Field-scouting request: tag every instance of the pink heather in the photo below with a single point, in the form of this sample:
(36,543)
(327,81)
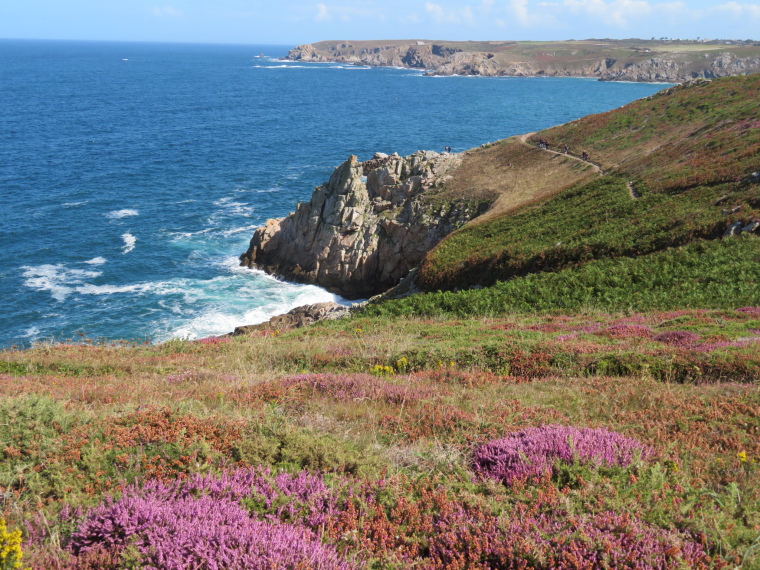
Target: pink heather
(534,451)
(200,523)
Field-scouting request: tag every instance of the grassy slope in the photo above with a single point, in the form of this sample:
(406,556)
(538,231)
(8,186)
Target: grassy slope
(391,408)
(686,153)
(511,175)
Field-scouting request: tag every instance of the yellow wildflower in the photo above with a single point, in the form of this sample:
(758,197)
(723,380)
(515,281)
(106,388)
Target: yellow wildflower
(10,547)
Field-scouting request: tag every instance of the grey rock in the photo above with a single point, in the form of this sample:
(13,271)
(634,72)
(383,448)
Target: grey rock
(296,318)
(721,200)
(734,229)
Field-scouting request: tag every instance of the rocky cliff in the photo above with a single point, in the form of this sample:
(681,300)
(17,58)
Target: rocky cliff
(366,228)
(606,62)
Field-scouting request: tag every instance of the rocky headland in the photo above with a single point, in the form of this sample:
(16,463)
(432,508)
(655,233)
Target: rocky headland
(367,227)
(607,60)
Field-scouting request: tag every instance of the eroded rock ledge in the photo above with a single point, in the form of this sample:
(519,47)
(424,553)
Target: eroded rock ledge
(366,228)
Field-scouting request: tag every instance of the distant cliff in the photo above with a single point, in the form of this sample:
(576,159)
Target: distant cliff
(607,60)
(366,228)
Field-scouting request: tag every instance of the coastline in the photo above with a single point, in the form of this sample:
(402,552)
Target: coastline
(637,61)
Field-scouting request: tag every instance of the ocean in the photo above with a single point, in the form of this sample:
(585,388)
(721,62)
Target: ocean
(132,175)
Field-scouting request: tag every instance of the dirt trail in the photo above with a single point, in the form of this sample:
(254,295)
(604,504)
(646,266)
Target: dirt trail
(632,191)
(505,173)
(597,168)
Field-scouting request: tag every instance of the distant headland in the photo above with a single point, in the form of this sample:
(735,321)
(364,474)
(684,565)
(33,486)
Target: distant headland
(656,60)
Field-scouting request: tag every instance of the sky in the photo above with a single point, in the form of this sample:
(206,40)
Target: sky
(292,22)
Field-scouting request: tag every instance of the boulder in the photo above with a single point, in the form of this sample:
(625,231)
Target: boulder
(734,229)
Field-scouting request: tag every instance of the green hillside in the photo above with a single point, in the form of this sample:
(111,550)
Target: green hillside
(677,170)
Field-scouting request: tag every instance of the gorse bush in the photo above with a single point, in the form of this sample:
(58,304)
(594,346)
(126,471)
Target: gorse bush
(10,548)
(532,453)
(345,387)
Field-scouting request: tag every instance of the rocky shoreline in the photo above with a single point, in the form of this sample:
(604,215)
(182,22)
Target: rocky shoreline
(640,65)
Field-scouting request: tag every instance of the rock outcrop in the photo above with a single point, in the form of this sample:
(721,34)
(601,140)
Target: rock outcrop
(302,316)
(646,66)
(366,228)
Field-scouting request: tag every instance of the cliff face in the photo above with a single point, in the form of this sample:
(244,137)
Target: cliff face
(437,59)
(413,56)
(366,228)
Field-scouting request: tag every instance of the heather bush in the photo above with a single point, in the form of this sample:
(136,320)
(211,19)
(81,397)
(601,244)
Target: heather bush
(558,541)
(201,532)
(201,523)
(750,311)
(532,452)
(684,339)
(626,330)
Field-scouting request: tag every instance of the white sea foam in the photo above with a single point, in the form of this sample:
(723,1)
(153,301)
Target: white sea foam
(73,204)
(31,332)
(118,214)
(235,231)
(240,296)
(221,320)
(57,279)
(112,289)
(232,265)
(129,242)
(176,236)
(230,207)
(96,261)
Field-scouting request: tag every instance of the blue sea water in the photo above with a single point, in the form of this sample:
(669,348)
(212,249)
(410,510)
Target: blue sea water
(133,175)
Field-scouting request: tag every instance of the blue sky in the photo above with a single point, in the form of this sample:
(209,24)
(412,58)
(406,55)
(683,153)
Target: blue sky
(293,22)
